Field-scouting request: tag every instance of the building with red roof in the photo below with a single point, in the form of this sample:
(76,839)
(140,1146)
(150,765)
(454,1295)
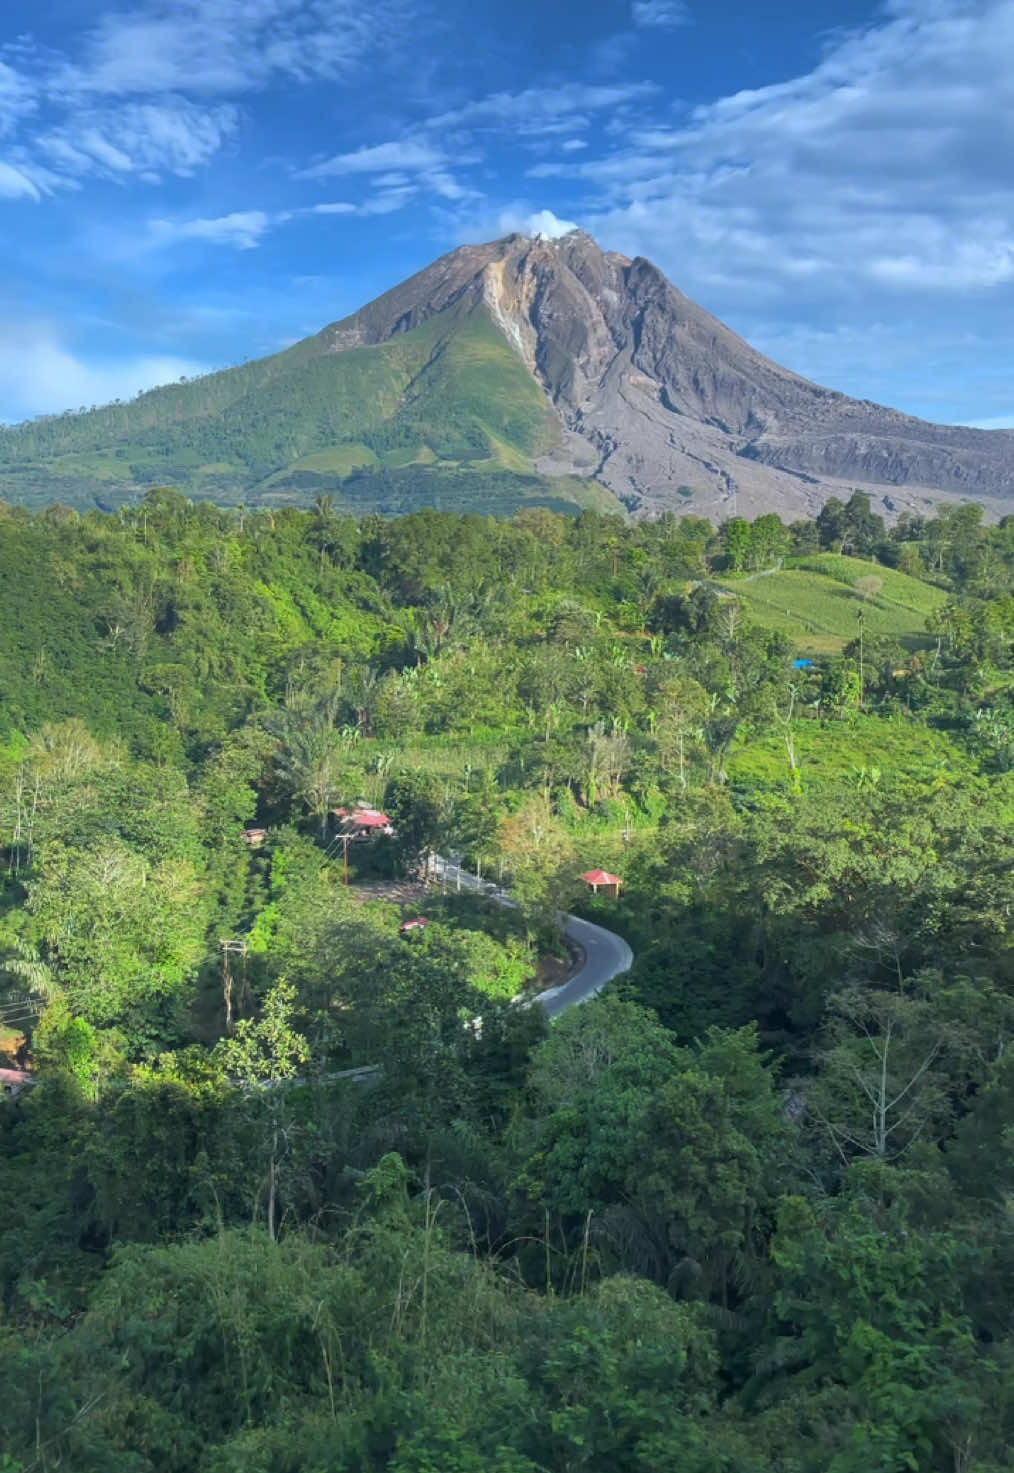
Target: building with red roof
(600,879)
(13,1081)
(363,822)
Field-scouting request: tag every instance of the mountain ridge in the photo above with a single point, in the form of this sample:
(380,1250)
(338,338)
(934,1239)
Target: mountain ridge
(525,369)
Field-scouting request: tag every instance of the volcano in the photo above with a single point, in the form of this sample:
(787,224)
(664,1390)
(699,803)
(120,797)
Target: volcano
(523,370)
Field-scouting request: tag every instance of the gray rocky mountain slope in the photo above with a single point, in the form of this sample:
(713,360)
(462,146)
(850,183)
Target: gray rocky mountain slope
(654,394)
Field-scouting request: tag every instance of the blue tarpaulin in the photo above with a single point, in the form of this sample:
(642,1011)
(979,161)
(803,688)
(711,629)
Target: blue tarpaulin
(802,664)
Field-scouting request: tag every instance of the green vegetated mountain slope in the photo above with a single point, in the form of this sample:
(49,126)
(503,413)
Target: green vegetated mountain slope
(444,415)
(817,601)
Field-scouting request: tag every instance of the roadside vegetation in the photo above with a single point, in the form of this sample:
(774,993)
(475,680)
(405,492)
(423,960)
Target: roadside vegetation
(747,1212)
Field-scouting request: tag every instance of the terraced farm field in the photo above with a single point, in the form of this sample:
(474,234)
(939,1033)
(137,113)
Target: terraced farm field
(815,601)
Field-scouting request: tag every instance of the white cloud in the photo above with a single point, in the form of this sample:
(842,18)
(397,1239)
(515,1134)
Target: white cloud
(172,136)
(225,47)
(408,153)
(429,161)
(386,201)
(887,164)
(538,222)
(243,229)
(17,98)
(15,183)
(539,111)
(400,170)
(148,90)
(40,374)
(659,14)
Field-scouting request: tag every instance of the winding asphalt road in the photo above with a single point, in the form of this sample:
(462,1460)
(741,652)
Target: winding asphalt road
(606,954)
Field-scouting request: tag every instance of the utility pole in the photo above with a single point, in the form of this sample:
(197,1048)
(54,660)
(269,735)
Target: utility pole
(231,948)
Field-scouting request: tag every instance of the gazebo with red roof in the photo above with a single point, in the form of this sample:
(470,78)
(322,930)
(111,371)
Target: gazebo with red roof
(600,879)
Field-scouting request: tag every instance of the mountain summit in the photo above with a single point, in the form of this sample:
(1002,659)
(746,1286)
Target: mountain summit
(520,369)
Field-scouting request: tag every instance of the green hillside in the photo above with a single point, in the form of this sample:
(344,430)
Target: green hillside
(272,1203)
(815,601)
(445,415)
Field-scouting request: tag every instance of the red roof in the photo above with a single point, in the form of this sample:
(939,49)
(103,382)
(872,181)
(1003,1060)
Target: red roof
(363,818)
(12,1078)
(418,924)
(601,877)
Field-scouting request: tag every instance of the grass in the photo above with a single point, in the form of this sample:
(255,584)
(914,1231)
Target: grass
(830,752)
(815,601)
(101,466)
(407,455)
(507,455)
(339,460)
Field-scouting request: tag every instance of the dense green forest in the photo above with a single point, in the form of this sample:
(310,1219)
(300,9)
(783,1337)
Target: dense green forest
(749,1211)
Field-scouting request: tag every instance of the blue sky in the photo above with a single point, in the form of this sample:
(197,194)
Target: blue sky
(187,183)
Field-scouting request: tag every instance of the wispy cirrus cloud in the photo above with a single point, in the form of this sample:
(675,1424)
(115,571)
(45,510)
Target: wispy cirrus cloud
(400,171)
(660,14)
(17,98)
(409,153)
(433,160)
(216,47)
(541,110)
(243,229)
(172,136)
(152,90)
(888,162)
(18,183)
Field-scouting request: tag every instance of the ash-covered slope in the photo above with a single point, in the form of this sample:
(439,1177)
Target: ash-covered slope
(655,394)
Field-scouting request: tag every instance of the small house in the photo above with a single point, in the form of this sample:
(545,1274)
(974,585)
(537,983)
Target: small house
(600,879)
(362,822)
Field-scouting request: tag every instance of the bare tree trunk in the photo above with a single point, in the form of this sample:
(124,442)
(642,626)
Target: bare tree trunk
(272,1187)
